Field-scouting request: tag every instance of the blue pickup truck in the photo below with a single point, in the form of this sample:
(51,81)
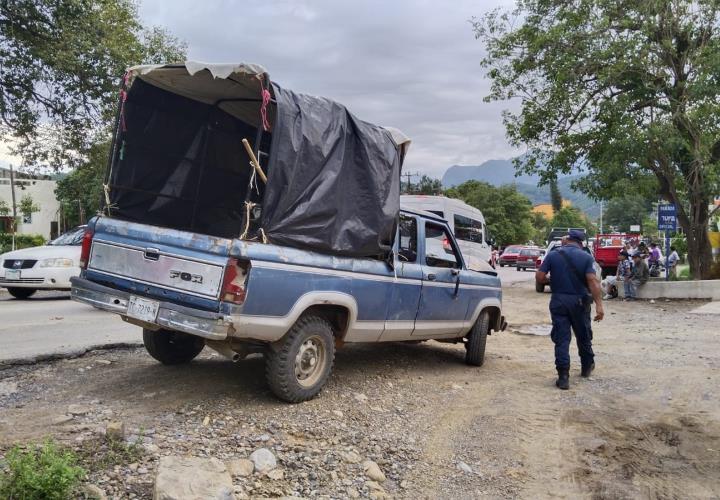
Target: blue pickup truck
(294,306)
(291,246)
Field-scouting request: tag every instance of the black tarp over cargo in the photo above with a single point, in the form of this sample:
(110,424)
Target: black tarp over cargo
(333,180)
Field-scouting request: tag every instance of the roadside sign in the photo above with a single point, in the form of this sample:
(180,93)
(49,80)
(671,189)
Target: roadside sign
(667,217)
(635,228)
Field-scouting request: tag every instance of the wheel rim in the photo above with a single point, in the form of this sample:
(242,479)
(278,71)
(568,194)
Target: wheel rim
(310,361)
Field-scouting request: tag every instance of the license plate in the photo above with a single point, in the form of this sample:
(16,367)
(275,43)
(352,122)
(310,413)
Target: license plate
(142,309)
(12,274)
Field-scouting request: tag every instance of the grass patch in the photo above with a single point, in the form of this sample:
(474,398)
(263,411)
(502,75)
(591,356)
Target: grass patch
(39,472)
(103,453)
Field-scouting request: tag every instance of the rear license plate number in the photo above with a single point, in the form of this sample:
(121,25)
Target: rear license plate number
(12,274)
(142,309)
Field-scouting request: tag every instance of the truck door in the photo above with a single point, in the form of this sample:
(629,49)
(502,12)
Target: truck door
(405,295)
(443,299)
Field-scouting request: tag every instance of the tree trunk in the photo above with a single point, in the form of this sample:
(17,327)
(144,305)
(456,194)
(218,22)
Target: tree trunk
(695,225)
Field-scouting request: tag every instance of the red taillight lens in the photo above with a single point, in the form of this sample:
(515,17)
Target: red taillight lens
(234,281)
(85,249)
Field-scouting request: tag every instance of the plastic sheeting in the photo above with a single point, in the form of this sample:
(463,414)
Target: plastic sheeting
(333,180)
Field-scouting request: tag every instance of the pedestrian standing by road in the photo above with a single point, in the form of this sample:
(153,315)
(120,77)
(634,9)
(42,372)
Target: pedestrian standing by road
(574,287)
(624,272)
(640,273)
(672,262)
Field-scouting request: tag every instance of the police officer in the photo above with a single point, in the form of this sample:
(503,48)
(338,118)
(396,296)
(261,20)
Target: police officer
(574,287)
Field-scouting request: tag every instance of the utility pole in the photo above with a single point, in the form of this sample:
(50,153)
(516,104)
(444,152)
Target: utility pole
(409,175)
(601,216)
(14,205)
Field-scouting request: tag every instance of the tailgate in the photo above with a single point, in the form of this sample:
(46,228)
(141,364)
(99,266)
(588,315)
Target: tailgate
(166,259)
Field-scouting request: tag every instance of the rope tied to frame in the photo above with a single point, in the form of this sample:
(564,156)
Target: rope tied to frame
(248,207)
(265,94)
(108,205)
(123,98)
(264,237)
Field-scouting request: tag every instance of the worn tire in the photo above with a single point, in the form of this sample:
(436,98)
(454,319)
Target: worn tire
(21,293)
(171,347)
(476,340)
(539,288)
(310,336)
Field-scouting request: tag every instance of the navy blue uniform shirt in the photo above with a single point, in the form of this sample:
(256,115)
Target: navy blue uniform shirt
(562,275)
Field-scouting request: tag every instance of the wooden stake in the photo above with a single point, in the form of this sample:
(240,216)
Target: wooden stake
(254,161)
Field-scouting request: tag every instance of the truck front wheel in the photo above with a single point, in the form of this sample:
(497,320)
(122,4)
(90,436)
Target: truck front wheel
(298,366)
(170,347)
(476,340)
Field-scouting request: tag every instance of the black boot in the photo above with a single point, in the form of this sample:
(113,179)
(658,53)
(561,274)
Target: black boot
(587,370)
(563,381)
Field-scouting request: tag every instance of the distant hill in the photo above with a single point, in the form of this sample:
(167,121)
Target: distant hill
(499,172)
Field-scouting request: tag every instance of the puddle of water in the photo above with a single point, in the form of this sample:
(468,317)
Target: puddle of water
(540,330)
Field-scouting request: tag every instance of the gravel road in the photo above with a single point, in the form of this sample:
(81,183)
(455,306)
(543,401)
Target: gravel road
(646,425)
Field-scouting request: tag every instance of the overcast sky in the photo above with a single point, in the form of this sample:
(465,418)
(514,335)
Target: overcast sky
(411,64)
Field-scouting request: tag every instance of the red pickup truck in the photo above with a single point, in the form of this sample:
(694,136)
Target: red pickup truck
(608,246)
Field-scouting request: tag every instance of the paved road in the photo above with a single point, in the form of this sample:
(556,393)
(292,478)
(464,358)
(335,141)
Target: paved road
(50,323)
(510,275)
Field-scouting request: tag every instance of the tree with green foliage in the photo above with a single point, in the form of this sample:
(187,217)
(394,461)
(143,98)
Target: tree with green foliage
(556,199)
(83,187)
(27,206)
(426,185)
(61,62)
(625,211)
(541,228)
(627,90)
(507,213)
(4,208)
(572,217)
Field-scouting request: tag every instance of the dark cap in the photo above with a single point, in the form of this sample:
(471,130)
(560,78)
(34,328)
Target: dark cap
(624,253)
(576,235)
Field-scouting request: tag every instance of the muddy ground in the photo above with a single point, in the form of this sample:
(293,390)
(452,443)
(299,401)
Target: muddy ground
(645,425)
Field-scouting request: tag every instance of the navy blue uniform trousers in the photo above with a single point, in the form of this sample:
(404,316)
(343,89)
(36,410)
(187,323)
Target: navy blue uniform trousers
(570,312)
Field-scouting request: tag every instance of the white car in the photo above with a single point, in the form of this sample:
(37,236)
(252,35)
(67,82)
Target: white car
(47,267)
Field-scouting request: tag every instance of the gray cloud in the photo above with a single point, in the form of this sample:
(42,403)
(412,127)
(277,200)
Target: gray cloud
(413,65)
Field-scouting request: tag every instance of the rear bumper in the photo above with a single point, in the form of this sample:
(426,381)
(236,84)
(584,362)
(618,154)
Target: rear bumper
(525,263)
(204,324)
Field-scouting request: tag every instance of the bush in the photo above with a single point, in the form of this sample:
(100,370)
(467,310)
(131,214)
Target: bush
(21,241)
(40,472)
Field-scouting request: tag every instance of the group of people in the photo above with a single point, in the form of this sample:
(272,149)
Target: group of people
(636,264)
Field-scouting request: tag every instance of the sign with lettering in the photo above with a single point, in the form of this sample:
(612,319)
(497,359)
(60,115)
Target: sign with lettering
(667,217)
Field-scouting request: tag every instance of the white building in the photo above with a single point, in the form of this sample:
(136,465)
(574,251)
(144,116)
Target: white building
(42,191)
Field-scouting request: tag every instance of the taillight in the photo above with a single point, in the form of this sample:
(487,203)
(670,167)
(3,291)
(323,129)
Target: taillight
(85,249)
(234,281)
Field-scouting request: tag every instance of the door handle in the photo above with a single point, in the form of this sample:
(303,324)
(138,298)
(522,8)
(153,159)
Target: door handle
(431,277)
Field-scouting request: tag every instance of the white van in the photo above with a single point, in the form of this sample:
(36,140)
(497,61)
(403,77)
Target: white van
(466,222)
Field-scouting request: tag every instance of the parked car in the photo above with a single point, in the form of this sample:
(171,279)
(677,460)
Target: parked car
(528,257)
(199,249)
(510,255)
(47,267)
(466,222)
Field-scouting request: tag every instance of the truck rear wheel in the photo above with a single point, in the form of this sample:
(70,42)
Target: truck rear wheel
(297,369)
(170,347)
(476,340)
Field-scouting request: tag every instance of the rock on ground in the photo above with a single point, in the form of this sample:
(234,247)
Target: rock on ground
(263,459)
(372,470)
(240,467)
(191,478)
